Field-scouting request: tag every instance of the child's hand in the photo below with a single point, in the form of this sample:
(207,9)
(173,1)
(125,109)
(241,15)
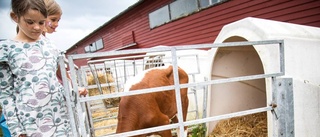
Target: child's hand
(83,91)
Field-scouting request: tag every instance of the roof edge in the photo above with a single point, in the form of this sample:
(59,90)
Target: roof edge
(106,23)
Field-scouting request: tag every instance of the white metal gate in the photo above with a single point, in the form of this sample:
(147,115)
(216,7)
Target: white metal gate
(109,76)
(281,106)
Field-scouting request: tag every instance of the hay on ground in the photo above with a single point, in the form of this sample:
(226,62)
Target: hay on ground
(102,114)
(103,79)
(110,110)
(254,125)
(104,131)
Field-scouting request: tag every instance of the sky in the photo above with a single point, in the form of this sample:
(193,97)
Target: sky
(79,18)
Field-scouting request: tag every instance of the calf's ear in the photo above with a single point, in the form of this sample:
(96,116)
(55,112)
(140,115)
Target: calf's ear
(169,71)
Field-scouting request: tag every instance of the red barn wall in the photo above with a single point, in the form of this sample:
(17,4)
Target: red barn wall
(200,27)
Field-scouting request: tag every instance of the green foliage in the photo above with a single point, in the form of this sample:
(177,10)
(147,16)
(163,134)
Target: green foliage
(198,131)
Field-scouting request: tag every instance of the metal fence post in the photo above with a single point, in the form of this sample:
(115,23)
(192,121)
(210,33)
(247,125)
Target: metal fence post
(283,123)
(67,94)
(177,90)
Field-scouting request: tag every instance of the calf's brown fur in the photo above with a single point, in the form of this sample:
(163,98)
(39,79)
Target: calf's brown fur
(153,109)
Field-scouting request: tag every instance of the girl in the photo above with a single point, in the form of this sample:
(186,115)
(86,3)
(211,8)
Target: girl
(54,16)
(30,93)
(52,23)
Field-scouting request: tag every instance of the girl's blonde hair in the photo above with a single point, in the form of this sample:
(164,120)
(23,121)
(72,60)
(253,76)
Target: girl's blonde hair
(53,7)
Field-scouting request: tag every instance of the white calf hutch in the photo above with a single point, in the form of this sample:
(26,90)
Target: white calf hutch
(301,55)
(253,66)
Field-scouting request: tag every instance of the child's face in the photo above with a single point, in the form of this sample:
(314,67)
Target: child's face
(52,23)
(31,25)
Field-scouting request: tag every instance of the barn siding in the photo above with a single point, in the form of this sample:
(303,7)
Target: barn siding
(200,27)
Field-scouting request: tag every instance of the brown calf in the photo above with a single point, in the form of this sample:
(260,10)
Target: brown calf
(152,109)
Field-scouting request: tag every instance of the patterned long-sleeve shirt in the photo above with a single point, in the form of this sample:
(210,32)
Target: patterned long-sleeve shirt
(31,96)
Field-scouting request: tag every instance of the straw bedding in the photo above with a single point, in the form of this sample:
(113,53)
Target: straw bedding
(101,113)
(254,125)
(104,79)
(110,110)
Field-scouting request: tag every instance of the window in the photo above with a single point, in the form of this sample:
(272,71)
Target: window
(214,1)
(159,16)
(204,3)
(94,46)
(207,3)
(181,8)
(178,9)
(87,49)
(99,44)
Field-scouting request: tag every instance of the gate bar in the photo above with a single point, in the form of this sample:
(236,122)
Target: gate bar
(157,89)
(177,90)
(192,122)
(68,99)
(182,47)
(226,116)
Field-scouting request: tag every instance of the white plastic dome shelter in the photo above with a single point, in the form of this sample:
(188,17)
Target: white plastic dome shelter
(301,55)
